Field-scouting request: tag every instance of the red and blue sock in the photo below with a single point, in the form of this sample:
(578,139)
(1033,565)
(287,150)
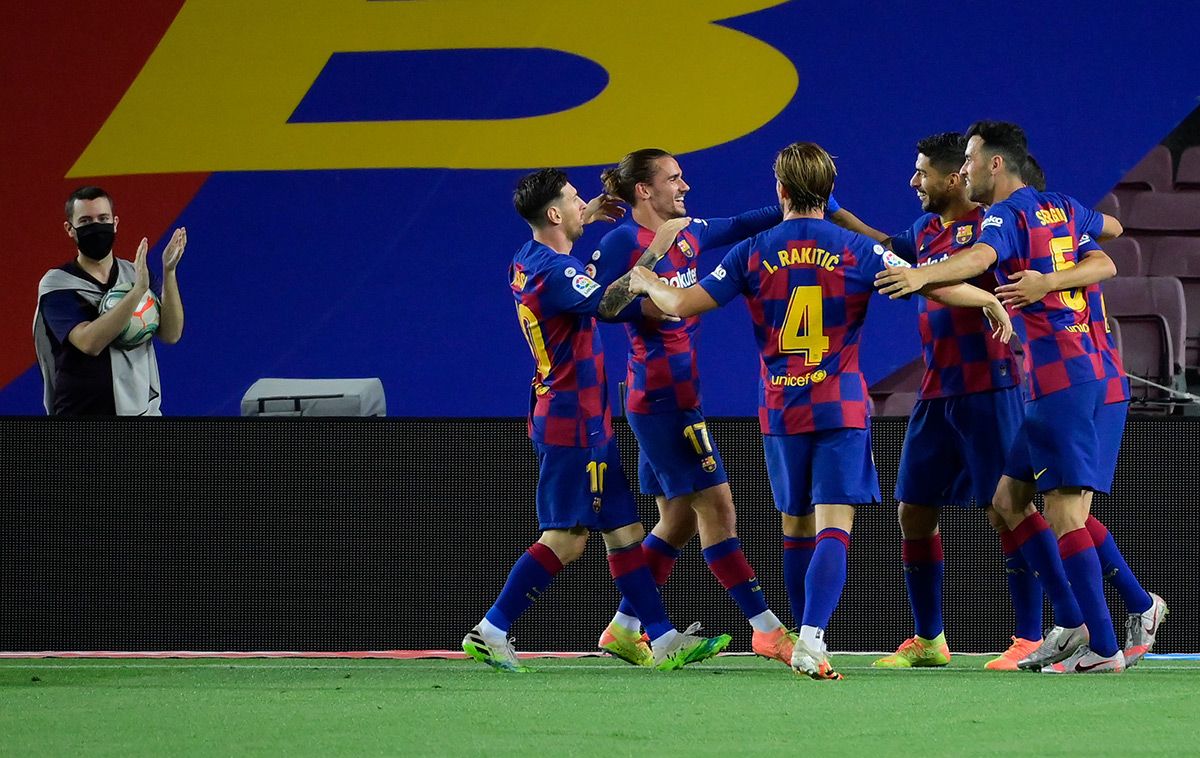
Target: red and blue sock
(728,564)
(1037,544)
(923,570)
(797,554)
(529,578)
(660,557)
(1083,570)
(826,577)
(633,578)
(1116,570)
(1023,588)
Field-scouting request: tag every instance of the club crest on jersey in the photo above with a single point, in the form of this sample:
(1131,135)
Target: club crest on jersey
(596,503)
(686,249)
(585,285)
(963,234)
(709,464)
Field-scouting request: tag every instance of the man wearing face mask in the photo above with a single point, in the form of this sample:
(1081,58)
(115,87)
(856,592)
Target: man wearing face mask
(84,372)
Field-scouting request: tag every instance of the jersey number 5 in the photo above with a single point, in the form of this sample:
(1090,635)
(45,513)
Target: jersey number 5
(802,326)
(1060,248)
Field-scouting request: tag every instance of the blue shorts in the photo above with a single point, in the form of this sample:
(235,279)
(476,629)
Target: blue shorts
(1069,439)
(833,467)
(583,486)
(955,448)
(676,453)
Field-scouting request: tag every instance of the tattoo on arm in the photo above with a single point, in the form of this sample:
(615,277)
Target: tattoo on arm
(617,296)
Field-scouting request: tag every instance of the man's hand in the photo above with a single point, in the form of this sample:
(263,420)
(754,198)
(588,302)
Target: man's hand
(654,313)
(603,207)
(1027,288)
(173,252)
(641,280)
(141,280)
(665,236)
(998,318)
(899,282)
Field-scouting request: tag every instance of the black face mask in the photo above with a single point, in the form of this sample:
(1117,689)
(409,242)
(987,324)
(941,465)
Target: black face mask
(95,240)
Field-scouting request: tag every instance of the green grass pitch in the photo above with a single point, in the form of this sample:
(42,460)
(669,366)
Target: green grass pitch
(734,705)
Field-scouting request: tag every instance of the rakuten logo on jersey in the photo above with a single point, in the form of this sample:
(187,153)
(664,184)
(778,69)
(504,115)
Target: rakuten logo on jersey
(682,279)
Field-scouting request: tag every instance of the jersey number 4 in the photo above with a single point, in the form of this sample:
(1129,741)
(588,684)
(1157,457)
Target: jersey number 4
(802,331)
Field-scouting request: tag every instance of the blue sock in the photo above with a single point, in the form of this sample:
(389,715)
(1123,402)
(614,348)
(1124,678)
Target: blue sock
(660,557)
(1083,568)
(633,579)
(797,554)
(826,577)
(530,576)
(1116,570)
(923,569)
(1023,588)
(1040,550)
(729,565)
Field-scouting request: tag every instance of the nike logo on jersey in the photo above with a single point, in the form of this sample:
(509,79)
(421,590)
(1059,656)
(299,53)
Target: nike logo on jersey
(1038,475)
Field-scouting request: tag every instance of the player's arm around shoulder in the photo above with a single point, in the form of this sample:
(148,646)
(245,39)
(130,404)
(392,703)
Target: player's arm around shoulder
(964,295)
(676,301)
(619,294)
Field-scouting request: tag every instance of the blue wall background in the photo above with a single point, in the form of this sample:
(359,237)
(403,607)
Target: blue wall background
(400,273)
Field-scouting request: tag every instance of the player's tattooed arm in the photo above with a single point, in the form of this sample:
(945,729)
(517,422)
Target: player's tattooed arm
(618,294)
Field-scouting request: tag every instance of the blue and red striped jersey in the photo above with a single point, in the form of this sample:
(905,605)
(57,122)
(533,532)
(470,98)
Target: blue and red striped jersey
(960,355)
(807,283)
(1117,390)
(556,306)
(1040,231)
(662,374)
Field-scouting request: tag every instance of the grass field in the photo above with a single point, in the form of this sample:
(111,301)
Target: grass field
(734,705)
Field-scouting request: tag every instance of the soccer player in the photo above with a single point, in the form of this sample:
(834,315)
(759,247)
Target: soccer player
(581,485)
(1058,449)
(968,410)
(678,461)
(1145,610)
(807,283)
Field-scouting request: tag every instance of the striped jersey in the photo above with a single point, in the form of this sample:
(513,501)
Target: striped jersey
(1040,231)
(961,357)
(556,306)
(807,283)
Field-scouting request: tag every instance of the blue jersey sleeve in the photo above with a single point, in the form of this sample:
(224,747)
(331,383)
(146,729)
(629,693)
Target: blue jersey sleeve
(904,244)
(728,280)
(1087,244)
(873,258)
(1087,221)
(999,231)
(565,288)
(718,232)
(63,310)
(610,261)
(832,207)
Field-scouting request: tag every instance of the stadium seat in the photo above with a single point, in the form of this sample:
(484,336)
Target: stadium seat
(1151,313)
(1188,178)
(1153,172)
(1126,253)
(1179,257)
(1109,204)
(1164,213)
(904,381)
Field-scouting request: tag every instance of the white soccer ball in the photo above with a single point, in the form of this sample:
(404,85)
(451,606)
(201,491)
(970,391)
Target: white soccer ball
(142,324)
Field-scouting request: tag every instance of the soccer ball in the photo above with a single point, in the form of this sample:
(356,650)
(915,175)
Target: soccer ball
(142,324)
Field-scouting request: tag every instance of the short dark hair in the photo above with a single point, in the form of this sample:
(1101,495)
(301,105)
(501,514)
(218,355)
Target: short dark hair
(1005,139)
(535,192)
(84,193)
(635,168)
(945,151)
(1032,174)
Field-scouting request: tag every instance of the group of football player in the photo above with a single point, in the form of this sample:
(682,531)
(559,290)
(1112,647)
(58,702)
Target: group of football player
(994,254)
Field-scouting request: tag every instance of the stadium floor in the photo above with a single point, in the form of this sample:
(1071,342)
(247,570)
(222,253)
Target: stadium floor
(584,706)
